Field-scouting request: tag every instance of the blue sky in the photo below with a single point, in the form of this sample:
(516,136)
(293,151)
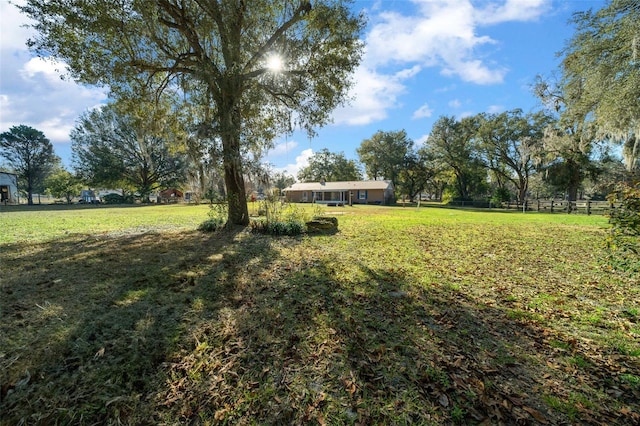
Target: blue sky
(423,60)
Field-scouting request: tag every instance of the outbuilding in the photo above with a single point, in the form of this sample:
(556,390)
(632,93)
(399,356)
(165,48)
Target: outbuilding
(8,188)
(341,193)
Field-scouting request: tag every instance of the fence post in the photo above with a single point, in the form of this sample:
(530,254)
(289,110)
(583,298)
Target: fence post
(588,207)
(551,206)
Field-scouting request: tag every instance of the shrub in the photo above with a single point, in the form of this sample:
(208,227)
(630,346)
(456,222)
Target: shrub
(211,225)
(279,227)
(624,238)
(114,199)
(217,217)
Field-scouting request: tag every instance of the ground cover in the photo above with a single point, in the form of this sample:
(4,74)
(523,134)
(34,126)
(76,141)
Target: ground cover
(405,316)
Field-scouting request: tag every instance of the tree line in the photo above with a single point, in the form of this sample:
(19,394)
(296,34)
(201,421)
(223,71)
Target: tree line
(196,98)
(502,157)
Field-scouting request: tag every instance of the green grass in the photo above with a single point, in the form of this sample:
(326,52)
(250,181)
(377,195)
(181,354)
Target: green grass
(405,316)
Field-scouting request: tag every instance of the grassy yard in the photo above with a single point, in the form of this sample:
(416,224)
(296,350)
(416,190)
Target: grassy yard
(405,316)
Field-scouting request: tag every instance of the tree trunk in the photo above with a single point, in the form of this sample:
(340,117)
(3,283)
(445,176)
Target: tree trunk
(236,196)
(230,121)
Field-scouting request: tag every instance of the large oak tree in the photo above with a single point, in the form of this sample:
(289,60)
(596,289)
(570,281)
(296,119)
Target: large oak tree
(257,61)
(602,62)
(30,154)
(113,150)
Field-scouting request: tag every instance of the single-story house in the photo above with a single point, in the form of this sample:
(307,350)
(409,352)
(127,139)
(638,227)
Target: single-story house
(8,188)
(351,192)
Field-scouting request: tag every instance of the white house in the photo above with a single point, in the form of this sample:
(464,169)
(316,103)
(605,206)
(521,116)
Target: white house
(8,188)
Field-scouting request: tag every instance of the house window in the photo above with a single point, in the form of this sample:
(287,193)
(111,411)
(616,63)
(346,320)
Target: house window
(362,195)
(304,197)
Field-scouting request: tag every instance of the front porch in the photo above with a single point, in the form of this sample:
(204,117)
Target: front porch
(330,198)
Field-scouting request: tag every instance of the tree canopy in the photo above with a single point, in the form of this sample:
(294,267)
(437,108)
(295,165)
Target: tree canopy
(331,167)
(510,144)
(451,145)
(116,151)
(601,61)
(30,154)
(221,49)
(385,154)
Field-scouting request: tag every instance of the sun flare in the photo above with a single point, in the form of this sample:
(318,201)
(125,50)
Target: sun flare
(274,63)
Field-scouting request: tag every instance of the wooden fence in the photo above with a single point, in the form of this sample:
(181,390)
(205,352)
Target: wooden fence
(563,206)
(546,206)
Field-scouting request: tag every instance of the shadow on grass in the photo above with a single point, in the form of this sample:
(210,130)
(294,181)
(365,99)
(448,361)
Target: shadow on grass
(237,328)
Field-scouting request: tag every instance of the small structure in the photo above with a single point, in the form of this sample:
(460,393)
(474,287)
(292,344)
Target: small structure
(8,188)
(171,195)
(341,193)
(88,196)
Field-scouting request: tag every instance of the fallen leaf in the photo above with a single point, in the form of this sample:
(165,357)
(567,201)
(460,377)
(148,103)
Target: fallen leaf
(535,414)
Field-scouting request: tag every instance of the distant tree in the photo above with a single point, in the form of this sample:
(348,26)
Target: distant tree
(601,62)
(384,155)
(510,143)
(417,172)
(257,61)
(29,154)
(451,146)
(282,180)
(569,141)
(331,167)
(63,184)
(112,150)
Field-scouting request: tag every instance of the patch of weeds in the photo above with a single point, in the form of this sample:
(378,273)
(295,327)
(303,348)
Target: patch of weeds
(594,318)
(621,344)
(504,357)
(510,298)
(565,407)
(558,344)
(437,376)
(457,414)
(631,313)
(541,301)
(520,315)
(631,380)
(578,361)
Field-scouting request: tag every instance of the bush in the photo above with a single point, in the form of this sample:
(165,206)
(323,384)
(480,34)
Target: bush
(624,239)
(279,227)
(211,225)
(114,198)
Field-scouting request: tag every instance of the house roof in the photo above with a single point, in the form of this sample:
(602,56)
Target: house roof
(340,186)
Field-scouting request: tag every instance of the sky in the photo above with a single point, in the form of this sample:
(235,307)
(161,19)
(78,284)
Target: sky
(423,59)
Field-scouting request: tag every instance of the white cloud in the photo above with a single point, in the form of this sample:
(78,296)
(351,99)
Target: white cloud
(302,161)
(373,94)
(513,10)
(423,112)
(31,90)
(421,140)
(283,148)
(455,103)
(14,34)
(444,33)
(495,109)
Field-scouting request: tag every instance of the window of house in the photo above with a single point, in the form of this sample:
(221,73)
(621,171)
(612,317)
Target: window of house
(362,195)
